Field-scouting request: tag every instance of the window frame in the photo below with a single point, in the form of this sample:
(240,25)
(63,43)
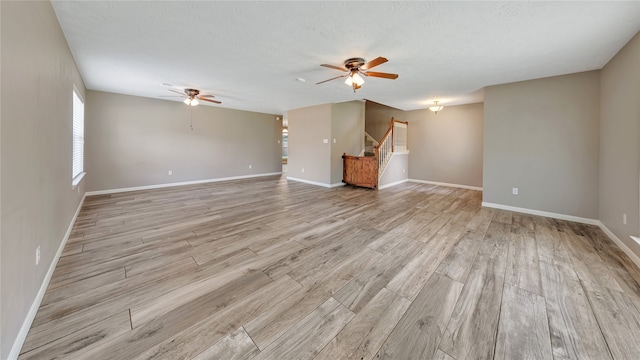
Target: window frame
(76,176)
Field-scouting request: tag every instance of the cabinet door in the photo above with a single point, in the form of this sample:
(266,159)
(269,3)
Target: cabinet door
(350,171)
(367,172)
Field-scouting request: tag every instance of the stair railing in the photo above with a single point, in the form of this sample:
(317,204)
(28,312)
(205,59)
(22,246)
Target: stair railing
(395,139)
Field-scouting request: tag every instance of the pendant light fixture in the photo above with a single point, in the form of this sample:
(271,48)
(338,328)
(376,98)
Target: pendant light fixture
(435,107)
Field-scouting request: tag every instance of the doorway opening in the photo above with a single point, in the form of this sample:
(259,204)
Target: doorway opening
(285,149)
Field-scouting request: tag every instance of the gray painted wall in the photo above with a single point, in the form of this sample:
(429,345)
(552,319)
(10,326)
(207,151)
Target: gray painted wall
(134,141)
(378,117)
(542,136)
(447,147)
(619,144)
(37,199)
(397,170)
(308,127)
(347,133)
(342,125)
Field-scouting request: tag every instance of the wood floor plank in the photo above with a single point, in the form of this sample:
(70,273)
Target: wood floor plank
(205,271)
(503,216)
(587,263)
(550,247)
(440,355)
(208,330)
(66,320)
(235,346)
(344,271)
(457,263)
(420,330)
(357,293)
(618,325)
(523,331)
(267,327)
(309,336)
(211,287)
(410,280)
(313,268)
(82,340)
(575,333)
(153,332)
(523,224)
(471,331)
(364,335)
(523,265)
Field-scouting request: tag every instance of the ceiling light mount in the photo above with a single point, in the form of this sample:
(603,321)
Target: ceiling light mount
(436,107)
(354,63)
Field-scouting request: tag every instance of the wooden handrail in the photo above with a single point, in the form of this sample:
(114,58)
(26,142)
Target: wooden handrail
(394,120)
(389,131)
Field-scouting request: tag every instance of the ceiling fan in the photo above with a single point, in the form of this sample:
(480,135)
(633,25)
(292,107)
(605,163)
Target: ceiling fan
(192,96)
(356,66)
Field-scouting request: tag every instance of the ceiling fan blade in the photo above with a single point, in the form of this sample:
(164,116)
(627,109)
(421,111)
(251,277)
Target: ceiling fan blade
(380,75)
(176,91)
(209,96)
(337,77)
(373,63)
(209,100)
(334,67)
(169,96)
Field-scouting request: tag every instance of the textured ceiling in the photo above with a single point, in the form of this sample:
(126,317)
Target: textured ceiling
(249,54)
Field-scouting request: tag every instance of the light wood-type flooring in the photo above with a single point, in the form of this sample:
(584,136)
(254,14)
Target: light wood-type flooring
(274,269)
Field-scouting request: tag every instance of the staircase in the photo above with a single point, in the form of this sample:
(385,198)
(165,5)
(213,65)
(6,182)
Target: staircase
(367,170)
(369,145)
(394,140)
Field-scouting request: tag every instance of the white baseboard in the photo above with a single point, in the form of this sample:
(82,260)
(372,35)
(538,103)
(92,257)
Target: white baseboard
(543,213)
(392,184)
(337,184)
(26,325)
(634,257)
(446,184)
(183,183)
(309,182)
(620,244)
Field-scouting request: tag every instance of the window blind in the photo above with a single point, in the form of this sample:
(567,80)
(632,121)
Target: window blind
(78,136)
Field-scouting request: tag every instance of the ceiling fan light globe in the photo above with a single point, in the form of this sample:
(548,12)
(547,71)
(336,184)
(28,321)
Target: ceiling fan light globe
(358,79)
(435,108)
(187,101)
(194,102)
(354,78)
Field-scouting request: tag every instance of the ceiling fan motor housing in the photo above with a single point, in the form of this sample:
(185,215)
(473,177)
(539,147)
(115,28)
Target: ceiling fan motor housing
(353,63)
(192,92)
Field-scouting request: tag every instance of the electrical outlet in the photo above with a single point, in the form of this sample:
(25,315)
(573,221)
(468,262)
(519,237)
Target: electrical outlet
(249,166)
(624,219)
(403,170)
(278,141)
(38,255)
(302,169)
(514,191)
(170,172)
(334,141)
(325,141)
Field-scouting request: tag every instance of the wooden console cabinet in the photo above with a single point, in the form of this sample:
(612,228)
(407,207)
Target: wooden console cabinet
(360,171)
